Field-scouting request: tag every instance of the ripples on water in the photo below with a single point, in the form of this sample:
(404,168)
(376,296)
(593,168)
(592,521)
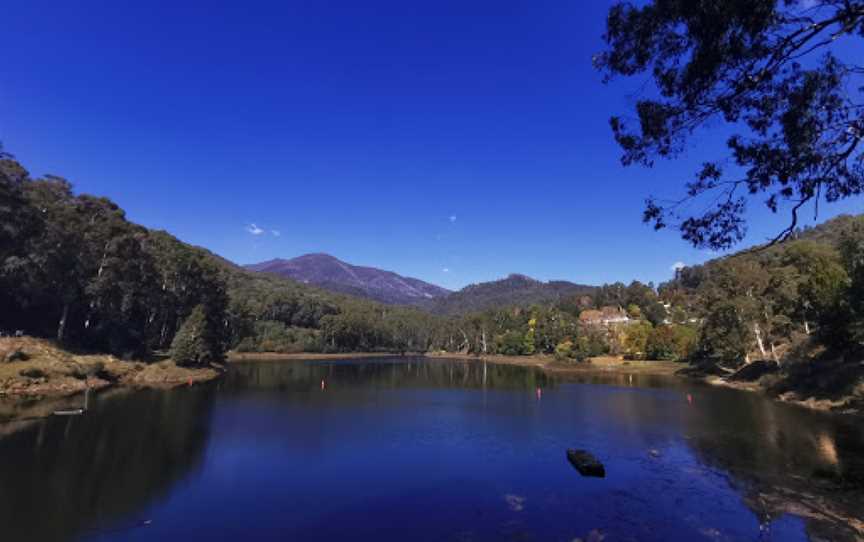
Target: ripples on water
(411,449)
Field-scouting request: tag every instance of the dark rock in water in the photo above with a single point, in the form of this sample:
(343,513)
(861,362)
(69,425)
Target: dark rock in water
(586,464)
(755,370)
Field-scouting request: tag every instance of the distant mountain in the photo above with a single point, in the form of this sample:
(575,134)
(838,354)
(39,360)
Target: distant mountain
(335,275)
(515,290)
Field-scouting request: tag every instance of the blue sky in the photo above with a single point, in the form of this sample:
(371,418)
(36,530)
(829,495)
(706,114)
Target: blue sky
(452,141)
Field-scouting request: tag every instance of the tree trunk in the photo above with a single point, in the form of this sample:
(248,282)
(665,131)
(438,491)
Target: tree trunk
(467,344)
(806,327)
(758,333)
(774,353)
(61,327)
(102,261)
(483,337)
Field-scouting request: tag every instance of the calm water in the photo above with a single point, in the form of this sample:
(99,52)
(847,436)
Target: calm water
(431,450)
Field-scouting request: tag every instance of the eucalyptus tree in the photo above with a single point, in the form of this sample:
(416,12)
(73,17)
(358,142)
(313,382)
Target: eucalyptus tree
(784,76)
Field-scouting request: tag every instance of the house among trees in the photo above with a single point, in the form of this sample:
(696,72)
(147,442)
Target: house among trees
(605,316)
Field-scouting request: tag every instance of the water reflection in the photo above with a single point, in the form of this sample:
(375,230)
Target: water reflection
(785,460)
(381,374)
(61,477)
(779,458)
(390,449)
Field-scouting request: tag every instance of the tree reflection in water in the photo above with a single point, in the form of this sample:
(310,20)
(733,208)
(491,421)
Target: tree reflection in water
(62,477)
(784,459)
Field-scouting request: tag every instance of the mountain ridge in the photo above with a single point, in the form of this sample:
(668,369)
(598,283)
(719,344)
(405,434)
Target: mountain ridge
(331,273)
(515,289)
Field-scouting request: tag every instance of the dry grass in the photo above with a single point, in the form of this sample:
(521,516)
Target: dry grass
(51,371)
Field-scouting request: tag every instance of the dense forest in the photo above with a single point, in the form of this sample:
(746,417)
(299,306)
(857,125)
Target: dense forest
(806,293)
(76,270)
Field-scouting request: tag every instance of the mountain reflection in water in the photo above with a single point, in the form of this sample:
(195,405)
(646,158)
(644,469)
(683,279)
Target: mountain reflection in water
(398,448)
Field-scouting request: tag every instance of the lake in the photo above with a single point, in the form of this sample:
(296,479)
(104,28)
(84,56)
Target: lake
(420,449)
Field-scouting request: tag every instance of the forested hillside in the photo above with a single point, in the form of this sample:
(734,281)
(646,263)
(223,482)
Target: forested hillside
(764,302)
(76,270)
(73,268)
(515,290)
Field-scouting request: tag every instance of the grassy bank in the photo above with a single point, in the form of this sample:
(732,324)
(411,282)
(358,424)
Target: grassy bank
(32,367)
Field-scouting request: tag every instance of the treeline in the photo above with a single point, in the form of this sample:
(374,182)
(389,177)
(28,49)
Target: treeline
(73,268)
(805,294)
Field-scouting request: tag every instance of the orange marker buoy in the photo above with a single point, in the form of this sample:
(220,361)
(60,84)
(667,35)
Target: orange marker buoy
(190,382)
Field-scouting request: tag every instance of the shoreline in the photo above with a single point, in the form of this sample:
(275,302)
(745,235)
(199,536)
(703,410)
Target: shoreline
(606,364)
(35,371)
(248,357)
(47,374)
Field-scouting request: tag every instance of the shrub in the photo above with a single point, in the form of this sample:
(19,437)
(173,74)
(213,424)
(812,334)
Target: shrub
(636,339)
(564,350)
(671,342)
(199,341)
(510,343)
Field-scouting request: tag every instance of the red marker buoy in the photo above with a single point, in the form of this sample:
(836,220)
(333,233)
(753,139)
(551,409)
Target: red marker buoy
(539,394)
(323,384)
(689,398)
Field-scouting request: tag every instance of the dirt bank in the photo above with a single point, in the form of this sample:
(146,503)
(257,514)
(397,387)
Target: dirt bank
(37,368)
(822,384)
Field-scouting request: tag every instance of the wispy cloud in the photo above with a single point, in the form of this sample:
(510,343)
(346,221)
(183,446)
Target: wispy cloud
(445,270)
(256,230)
(253,229)
(678,266)
(452,218)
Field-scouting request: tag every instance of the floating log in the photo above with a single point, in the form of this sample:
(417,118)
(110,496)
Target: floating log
(586,464)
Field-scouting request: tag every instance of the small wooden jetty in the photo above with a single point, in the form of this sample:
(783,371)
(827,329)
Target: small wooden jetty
(76,411)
